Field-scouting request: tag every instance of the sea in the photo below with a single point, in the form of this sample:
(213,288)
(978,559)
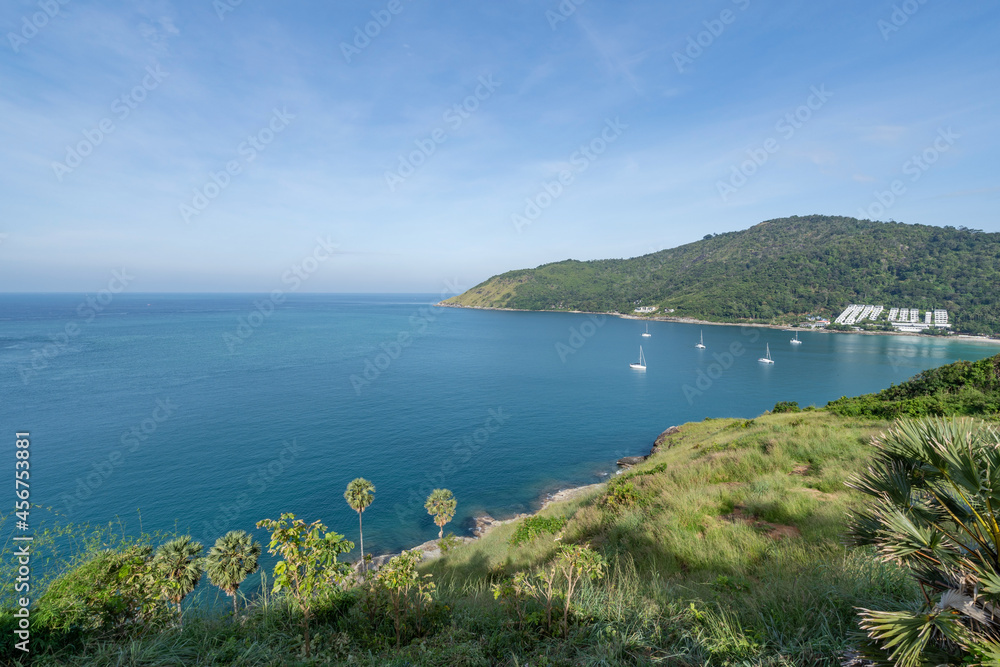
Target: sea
(203,413)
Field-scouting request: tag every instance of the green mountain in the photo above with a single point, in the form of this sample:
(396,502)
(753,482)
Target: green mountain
(776,272)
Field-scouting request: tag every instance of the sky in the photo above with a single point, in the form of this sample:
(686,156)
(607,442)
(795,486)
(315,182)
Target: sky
(419,146)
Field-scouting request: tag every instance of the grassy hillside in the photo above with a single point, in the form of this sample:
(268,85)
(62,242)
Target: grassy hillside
(776,271)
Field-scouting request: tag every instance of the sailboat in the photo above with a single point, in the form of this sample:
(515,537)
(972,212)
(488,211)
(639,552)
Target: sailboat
(796,341)
(647,334)
(701,342)
(767,357)
(641,366)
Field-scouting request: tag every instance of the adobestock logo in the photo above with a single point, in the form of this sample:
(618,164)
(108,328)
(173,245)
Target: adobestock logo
(455,116)
(248,150)
(31,25)
(363,35)
(122,107)
(580,162)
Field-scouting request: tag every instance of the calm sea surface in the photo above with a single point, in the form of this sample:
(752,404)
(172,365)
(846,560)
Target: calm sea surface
(210,412)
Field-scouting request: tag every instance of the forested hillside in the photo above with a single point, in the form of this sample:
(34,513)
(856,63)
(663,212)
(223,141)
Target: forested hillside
(969,388)
(777,271)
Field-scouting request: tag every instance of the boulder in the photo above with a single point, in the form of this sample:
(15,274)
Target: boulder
(629,461)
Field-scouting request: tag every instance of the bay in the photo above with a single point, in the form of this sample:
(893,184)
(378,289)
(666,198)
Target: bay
(209,412)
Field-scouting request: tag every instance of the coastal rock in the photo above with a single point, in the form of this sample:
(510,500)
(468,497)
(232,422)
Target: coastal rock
(483,524)
(662,439)
(429,550)
(629,461)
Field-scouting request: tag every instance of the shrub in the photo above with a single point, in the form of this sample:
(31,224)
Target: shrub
(623,495)
(786,406)
(113,593)
(533,526)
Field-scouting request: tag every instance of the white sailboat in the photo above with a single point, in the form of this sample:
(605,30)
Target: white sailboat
(701,341)
(641,366)
(766,359)
(647,334)
(796,341)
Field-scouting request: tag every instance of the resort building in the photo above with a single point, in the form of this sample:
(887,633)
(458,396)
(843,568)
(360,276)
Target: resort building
(901,319)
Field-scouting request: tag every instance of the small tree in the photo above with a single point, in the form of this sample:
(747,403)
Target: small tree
(576,561)
(359,495)
(180,565)
(231,560)
(441,505)
(515,594)
(397,577)
(308,562)
(934,501)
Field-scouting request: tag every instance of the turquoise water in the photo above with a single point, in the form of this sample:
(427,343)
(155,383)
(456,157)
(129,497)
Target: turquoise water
(208,412)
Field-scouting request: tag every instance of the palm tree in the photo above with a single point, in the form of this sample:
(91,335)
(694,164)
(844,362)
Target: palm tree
(441,505)
(359,495)
(231,560)
(178,562)
(932,508)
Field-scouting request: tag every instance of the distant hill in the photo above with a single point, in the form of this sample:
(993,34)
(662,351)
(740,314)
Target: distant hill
(970,388)
(775,272)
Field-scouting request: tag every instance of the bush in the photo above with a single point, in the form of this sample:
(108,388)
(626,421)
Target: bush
(533,526)
(623,495)
(114,593)
(961,388)
(786,406)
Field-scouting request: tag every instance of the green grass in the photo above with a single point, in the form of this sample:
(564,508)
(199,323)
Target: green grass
(727,550)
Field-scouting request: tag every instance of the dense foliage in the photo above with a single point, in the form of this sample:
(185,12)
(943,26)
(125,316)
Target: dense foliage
(533,526)
(961,388)
(776,271)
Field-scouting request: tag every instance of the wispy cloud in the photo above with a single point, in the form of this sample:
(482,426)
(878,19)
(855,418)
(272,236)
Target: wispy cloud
(325,174)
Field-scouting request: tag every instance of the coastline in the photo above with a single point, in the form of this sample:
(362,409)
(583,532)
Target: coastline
(691,320)
(484,524)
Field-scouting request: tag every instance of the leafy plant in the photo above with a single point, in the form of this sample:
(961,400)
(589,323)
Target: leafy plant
(308,564)
(622,494)
(531,527)
(934,500)
(112,593)
(231,560)
(448,542)
(515,593)
(406,588)
(441,505)
(575,562)
(786,406)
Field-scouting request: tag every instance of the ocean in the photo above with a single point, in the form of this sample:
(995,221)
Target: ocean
(205,413)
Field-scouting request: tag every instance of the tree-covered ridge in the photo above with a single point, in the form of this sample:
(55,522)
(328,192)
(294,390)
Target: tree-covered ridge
(961,388)
(776,271)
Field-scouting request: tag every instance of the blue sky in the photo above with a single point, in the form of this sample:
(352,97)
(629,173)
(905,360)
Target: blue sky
(645,109)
